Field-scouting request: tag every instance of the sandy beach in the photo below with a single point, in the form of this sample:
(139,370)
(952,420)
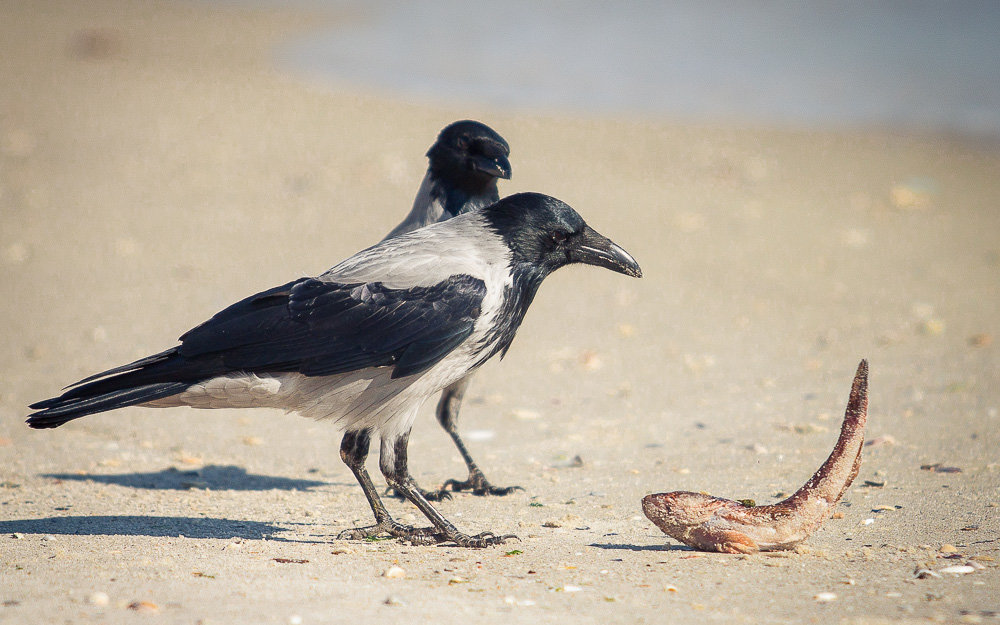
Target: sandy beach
(156,167)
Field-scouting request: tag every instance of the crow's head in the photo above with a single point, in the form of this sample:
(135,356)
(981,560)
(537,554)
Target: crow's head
(470,156)
(544,234)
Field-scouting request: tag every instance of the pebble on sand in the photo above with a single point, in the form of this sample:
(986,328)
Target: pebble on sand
(99,599)
(16,253)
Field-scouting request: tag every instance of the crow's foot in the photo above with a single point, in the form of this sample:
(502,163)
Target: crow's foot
(485,539)
(423,535)
(392,529)
(479,485)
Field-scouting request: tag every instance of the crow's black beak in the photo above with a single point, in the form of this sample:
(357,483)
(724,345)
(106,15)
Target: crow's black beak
(498,166)
(593,248)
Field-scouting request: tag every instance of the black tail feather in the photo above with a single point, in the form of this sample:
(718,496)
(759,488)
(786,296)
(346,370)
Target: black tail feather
(142,363)
(154,377)
(59,410)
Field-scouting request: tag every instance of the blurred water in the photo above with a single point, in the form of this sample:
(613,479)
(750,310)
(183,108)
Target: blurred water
(899,63)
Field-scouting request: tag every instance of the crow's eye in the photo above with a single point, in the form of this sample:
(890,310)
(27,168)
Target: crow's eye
(462,143)
(558,237)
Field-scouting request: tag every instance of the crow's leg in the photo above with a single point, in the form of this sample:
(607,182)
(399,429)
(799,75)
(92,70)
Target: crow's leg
(447,414)
(354,451)
(393,464)
(430,495)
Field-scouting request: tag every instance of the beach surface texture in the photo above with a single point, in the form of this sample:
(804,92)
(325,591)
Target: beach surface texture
(156,166)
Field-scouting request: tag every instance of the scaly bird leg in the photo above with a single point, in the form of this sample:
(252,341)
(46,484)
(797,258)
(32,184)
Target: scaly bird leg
(447,414)
(394,467)
(354,451)
(429,495)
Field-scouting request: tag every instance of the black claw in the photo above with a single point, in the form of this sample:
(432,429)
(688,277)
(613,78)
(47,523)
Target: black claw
(479,541)
(499,491)
(479,487)
(437,495)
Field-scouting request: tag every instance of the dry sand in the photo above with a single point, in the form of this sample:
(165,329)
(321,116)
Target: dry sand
(154,168)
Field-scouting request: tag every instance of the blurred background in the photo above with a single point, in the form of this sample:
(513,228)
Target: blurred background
(898,63)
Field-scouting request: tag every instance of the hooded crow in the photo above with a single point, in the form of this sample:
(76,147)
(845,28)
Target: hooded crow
(463,167)
(366,343)
(464,164)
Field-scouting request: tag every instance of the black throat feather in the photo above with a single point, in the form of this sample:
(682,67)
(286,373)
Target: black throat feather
(516,299)
(456,199)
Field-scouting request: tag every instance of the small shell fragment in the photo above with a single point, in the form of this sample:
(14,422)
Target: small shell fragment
(980,340)
(958,569)
(590,361)
(825,597)
(394,572)
(525,415)
(98,599)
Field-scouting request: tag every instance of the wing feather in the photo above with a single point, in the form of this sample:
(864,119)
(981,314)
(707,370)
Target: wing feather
(317,327)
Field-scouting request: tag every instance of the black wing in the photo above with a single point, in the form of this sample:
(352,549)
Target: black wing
(316,328)
(307,326)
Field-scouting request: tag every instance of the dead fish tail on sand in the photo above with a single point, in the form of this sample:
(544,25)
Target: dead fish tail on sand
(834,477)
(716,524)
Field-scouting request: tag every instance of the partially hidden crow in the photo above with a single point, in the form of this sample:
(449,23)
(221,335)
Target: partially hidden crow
(367,342)
(463,167)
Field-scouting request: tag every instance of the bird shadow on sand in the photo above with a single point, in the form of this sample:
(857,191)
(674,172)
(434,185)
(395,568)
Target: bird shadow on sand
(621,547)
(154,526)
(211,477)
